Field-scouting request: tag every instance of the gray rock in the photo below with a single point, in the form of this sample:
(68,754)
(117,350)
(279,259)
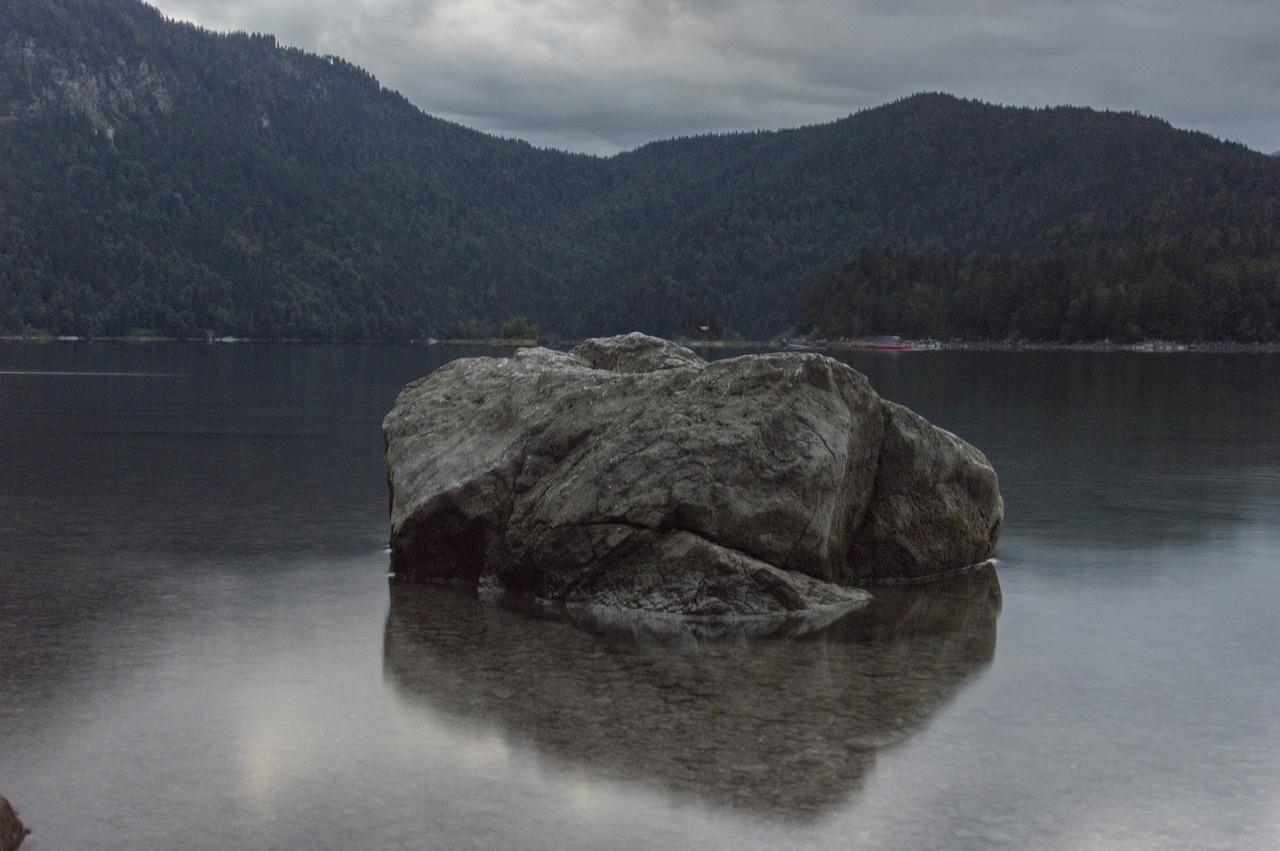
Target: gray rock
(12,831)
(937,505)
(630,472)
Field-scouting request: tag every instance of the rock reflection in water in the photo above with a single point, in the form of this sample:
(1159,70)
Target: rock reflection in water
(787,730)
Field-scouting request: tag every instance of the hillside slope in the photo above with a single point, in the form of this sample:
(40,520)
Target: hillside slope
(158,176)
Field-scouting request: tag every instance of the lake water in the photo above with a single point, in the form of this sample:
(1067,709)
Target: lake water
(198,647)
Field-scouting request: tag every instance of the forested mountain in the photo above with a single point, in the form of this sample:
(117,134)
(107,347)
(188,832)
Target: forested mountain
(157,176)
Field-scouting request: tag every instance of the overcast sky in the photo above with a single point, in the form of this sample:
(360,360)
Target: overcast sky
(608,75)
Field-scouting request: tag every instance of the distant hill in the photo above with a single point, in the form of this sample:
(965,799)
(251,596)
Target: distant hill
(157,176)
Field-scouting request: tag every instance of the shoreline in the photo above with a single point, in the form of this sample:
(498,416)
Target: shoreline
(1150,346)
(794,344)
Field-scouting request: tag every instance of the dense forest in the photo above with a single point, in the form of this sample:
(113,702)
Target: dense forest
(159,178)
(1212,284)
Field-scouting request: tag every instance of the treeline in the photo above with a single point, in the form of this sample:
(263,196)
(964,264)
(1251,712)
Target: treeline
(156,177)
(1211,285)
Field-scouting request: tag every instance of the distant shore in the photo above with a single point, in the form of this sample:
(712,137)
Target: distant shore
(1095,346)
(998,346)
(793,344)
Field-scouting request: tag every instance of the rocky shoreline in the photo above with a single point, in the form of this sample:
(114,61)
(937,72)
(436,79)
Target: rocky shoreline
(12,830)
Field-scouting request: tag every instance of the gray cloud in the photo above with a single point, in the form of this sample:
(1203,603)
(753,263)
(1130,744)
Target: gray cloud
(605,75)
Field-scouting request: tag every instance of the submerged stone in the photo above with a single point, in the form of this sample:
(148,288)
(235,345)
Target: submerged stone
(631,473)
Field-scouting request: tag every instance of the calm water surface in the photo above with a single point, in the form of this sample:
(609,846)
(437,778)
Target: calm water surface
(198,648)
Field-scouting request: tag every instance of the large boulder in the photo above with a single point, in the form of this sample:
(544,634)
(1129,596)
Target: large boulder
(631,473)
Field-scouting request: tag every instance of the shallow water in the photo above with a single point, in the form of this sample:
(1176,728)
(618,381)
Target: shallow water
(199,647)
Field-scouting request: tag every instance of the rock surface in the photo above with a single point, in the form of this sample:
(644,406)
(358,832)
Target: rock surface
(631,473)
(12,831)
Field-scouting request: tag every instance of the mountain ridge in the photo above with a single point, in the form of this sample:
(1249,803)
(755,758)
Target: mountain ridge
(168,178)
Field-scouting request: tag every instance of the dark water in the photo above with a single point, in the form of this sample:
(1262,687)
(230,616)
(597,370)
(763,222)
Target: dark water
(198,648)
